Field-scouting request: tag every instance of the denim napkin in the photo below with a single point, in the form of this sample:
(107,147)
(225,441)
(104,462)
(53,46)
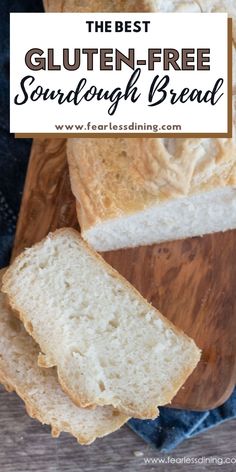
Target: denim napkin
(173,426)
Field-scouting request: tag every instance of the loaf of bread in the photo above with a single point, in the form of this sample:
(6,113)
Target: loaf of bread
(132,192)
(99,5)
(109,345)
(40,390)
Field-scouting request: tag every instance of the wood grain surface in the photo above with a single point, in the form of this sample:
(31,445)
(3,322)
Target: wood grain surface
(26,446)
(193,282)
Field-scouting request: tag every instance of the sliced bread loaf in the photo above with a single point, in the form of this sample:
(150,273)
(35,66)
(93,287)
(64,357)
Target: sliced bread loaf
(141,191)
(40,390)
(133,192)
(109,345)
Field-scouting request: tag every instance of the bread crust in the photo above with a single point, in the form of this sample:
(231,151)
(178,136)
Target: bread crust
(12,384)
(35,413)
(149,171)
(148,411)
(86,6)
(115,177)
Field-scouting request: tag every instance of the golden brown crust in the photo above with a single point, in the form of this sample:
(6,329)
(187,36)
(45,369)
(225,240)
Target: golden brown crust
(150,174)
(7,275)
(130,410)
(115,177)
(62,6)
(5,380)
(150,411)
(45,361)
(11,328)
(36,414)
(6,384)
(80,401)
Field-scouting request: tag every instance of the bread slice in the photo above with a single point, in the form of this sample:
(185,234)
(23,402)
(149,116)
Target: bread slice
(141,191)
(40,390)
(109,345)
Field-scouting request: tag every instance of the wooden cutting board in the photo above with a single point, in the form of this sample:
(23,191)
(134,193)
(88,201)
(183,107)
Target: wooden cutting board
(192,282)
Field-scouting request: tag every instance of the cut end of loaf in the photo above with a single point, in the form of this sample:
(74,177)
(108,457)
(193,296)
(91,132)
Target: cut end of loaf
(181,218)
(109,345)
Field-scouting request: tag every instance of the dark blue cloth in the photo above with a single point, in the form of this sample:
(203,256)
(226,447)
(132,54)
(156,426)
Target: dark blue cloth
(173,426)
(14,152)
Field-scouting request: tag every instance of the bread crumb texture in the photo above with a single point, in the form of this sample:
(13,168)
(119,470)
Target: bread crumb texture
(40,390)
(109,345)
